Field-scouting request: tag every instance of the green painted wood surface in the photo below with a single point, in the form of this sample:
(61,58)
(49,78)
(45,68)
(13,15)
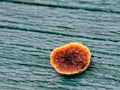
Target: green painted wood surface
(31,29)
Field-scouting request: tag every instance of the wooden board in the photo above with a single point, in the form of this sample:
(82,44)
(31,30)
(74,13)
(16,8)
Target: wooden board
(31,29)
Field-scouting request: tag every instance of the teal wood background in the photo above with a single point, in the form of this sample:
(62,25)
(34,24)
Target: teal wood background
(31,29)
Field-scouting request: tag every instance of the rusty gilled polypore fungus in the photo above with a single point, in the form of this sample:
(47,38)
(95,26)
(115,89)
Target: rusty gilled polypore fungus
(70,59)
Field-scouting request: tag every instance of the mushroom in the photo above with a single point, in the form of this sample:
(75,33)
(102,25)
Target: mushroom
(70,59)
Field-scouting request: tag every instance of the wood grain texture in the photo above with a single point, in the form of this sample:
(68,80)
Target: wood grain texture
(31,29)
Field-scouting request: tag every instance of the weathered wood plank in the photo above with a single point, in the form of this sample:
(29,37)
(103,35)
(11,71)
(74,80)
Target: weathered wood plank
(30,30)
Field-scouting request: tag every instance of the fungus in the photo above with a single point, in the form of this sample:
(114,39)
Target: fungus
(69,59)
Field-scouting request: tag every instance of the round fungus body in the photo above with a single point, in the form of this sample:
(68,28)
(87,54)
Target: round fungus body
(70,59)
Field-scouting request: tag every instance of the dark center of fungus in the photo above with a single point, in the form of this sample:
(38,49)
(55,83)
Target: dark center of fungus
(68,59)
